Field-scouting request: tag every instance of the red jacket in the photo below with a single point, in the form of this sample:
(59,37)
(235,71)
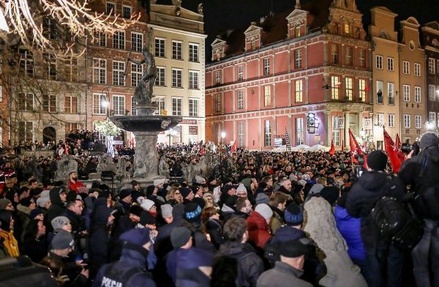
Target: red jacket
(76,185)
(258,229)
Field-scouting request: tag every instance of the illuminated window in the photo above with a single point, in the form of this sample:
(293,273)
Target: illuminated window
(267,96)
(299,91)
(349,88)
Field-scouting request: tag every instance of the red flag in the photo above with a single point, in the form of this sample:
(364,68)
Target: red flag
(234,147)
(392,152)
(356,149)
(332,150)
(397,142)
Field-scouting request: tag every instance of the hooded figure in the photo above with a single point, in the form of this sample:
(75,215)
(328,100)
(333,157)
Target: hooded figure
(130,269)
(57,198)
(100,232)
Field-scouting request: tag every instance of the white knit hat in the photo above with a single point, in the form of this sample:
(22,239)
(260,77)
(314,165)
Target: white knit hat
(147,204)
(264,210)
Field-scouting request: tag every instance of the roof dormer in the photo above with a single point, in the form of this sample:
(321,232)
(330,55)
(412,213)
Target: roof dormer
(218,49)
(253,37)
(297,23)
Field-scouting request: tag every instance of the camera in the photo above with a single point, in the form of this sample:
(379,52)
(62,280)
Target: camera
(407,148)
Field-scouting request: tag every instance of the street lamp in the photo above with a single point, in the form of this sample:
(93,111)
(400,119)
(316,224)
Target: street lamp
(105,102)
(430,126)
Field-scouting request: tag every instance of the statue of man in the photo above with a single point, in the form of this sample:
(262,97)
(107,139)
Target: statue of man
(143,93)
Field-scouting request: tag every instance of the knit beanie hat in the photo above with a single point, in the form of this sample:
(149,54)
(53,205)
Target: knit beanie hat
(59,221)
(185,191)
(180,236)
(192,211)
(377,160)
(264,210)
(62,240)
(4,203)
(136,210)
(293,214)
(41,201)
(147,218)
(146,204)
(166,210)
(34,213)
(124,193)
(262,198)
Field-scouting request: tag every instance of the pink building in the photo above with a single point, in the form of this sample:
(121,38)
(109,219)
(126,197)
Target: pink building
(305,72)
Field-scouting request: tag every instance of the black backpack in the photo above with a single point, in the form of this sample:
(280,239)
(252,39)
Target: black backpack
(226,270)
(397,223)
(21,271)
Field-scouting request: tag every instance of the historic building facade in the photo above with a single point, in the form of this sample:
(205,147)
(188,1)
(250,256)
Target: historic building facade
(45,98)
(430,41)
(302,74)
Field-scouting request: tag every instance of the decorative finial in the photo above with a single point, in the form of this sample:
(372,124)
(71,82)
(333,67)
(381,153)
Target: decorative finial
(298,6)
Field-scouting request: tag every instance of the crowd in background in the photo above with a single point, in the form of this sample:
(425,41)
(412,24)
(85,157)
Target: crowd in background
(282,219)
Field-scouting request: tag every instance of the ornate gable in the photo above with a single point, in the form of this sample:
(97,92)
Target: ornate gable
(253,37)
(218,49)
(297,23)
(346,20)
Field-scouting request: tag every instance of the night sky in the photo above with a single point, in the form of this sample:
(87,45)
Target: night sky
(221,15)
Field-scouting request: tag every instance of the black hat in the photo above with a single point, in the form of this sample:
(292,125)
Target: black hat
(147,218)
(295,248)
(377,160)
(134,182)
(124,193)
(185,191)
(136,210)
(192,211)
(180,236)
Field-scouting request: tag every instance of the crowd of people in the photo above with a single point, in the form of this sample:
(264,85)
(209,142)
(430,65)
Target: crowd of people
(275,219)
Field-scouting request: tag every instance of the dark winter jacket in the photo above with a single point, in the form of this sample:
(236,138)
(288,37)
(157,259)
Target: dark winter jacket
(131,258)
(361,199)
(251,265)
(100,237)
(56,208)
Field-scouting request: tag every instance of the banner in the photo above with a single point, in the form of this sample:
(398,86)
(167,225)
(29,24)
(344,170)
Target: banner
(392,151)
(332,150)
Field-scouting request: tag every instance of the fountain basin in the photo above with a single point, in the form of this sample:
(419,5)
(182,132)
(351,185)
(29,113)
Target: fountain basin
(145,123)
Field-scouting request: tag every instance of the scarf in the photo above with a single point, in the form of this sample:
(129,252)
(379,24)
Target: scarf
(10,243)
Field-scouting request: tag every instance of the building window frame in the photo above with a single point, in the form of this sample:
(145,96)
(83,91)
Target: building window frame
(267,133)
(119,40)
(99,71)
(193,80)
(159,48)
(118,73)
(176,106)
(177,78)
(406,93)
(379,62)
(160,80)
(193,52)
(118,104)
(193,107)
(406,67)
(177,47)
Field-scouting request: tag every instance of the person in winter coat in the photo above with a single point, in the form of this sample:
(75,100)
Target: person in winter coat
(425,255)
(372,185)
(287,271)
(58,196)
(100,236)
(212,225)
(8,243)
(258,225)
(278,201)
(130,269)
(350,228)
(236,246)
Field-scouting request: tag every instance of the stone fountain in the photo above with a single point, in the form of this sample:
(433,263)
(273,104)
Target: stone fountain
(144,124)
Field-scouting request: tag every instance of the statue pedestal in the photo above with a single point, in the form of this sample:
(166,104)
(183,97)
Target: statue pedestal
(146,155)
